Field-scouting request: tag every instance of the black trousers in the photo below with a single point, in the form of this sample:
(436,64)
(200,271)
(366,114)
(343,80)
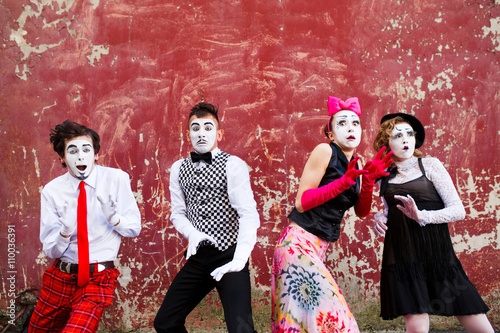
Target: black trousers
(194,282)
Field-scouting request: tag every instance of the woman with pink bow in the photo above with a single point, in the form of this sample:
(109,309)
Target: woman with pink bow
(305,296)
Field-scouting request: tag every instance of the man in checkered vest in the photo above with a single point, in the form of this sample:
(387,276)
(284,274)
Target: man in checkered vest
(214,209)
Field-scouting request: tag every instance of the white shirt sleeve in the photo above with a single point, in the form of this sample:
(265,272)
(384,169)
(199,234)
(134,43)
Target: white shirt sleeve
(53,243)
(178,202)
(127,210)
(242,199)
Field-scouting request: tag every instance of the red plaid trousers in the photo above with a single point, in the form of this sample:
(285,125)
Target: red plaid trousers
(64,307)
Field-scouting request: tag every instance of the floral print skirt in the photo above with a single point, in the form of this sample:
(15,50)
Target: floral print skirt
(305,296)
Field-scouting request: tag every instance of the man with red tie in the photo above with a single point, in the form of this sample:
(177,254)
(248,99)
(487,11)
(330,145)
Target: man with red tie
(84,214)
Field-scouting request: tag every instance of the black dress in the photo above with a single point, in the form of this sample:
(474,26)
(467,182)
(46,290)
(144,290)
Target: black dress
(420,271)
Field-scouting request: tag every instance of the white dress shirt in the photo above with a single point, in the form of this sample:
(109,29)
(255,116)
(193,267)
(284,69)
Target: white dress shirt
(240,196)
(104,239)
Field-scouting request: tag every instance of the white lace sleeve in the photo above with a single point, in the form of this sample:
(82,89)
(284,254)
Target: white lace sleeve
(454,209)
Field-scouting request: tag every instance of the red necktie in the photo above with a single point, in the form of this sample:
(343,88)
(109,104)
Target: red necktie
(83,239)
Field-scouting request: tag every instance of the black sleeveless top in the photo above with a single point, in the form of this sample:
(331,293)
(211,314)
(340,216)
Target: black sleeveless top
(420,271)
(415,251)
(324,220)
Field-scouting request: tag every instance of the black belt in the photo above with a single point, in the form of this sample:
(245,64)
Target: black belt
(70,268)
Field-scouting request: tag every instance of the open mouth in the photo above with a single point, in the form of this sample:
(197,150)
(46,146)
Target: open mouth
(405,148)
(81,167)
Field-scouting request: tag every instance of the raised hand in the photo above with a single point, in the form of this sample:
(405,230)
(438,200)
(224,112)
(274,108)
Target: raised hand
(352,173)
(68,219)
(109,210)
(317,196)
(410,208)
(376,167)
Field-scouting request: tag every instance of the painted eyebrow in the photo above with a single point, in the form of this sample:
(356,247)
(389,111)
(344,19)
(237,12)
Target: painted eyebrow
(347,116)
(198,124)
(72,145)
(403,129)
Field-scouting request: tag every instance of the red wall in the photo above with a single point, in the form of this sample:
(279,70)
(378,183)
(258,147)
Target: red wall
(133,69)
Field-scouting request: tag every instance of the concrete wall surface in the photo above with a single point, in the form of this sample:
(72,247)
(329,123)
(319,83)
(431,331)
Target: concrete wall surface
(132,70)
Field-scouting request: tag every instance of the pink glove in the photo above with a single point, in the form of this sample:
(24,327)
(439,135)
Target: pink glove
(317,196)
(376,169)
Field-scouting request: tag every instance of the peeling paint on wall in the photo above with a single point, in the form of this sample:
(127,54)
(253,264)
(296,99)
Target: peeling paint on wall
(132,70)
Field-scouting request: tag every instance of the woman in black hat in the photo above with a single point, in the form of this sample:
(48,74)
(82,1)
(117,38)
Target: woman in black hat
(421,275)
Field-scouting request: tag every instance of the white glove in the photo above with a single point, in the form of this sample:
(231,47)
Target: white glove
(109,210)
(68,222)
(410,209)
(380,225)
(194,239)
(234,265)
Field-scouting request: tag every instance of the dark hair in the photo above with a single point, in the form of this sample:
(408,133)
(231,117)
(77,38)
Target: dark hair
(69,130)
(384,135)
(203,109)
(328,126)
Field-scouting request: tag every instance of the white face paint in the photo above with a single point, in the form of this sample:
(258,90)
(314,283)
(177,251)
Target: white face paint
(203,133)
(346,131)
(79,157)
(402,142)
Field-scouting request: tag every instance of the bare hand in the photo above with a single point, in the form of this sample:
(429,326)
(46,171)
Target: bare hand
(380,225)
(409,208)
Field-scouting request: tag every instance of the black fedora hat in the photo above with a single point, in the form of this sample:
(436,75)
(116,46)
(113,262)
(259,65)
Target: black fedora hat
(414,122)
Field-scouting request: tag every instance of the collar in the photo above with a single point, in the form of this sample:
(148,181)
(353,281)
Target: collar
(90,181)
(215,152)
(406,165)
(340,153)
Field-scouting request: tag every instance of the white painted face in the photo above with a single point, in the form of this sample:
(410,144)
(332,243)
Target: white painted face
(79,157)
(346,130)
(204,134)
(402,142)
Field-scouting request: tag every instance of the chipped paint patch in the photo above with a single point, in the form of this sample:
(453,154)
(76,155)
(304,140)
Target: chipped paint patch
(473,243)
(42,259)
(97,51)
(494,30)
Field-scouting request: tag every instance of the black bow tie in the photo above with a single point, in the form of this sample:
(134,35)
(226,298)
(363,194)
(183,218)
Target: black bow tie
(207,157)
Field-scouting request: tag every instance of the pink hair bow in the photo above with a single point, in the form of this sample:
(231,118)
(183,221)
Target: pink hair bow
(336,104)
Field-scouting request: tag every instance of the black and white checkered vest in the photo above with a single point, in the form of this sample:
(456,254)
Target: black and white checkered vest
(207,201)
